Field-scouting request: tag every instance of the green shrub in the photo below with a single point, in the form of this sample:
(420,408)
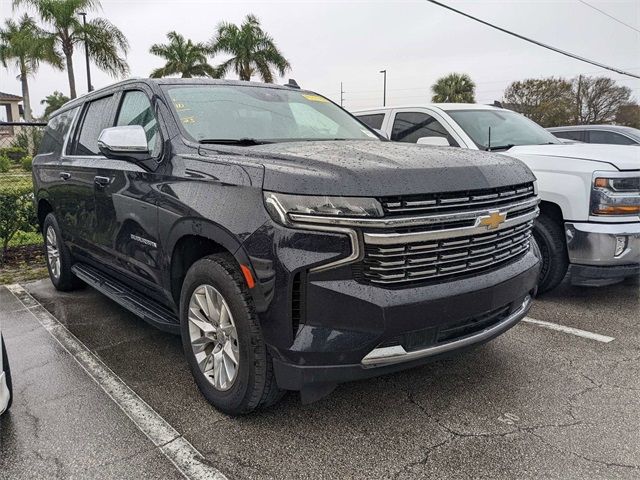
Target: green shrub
(5,164)
(14,154)
(17,212)
(28,140)
(26,162)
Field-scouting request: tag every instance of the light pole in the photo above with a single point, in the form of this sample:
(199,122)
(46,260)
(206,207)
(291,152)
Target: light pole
(86,50)
(384,88)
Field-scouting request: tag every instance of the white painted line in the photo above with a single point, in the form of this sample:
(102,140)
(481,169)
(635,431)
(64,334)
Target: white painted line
(167,439)
(573,331)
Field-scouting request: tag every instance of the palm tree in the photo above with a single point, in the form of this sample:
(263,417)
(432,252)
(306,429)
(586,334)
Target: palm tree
(105,41)
(454,88)
(252,49)
(24,43)
(53,102)
(182,57)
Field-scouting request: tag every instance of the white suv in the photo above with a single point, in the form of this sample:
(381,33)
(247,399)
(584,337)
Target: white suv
(590,210)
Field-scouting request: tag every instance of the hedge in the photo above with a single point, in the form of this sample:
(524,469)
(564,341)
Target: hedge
(17,212)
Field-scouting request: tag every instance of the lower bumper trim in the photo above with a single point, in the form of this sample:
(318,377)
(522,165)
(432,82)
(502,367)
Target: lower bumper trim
(397,354)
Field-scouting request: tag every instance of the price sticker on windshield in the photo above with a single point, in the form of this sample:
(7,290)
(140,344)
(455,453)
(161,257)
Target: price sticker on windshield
(315,98)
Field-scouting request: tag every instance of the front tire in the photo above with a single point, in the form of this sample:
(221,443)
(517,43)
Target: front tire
(550,237)
(58,256)
(222,338)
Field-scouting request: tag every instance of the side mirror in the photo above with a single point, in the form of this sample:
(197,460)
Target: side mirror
(381,133)
(434,141)
(127,142)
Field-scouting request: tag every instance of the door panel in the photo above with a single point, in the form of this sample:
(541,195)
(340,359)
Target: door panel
(126,235)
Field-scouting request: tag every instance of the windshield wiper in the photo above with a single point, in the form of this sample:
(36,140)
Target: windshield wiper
(499,147)
(243,142)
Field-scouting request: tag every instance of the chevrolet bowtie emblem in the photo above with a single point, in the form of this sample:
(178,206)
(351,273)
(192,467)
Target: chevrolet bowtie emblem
(493,221)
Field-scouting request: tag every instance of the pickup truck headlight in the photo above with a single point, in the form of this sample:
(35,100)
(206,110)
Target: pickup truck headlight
(615,195)
(280,206)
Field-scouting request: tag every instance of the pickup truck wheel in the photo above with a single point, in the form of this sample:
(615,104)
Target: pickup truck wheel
(222,338)
(7,372)
(550,237)
(58,257)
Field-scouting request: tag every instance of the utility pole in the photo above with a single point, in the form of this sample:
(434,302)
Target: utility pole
(341,95)
(86,50)
(384,88)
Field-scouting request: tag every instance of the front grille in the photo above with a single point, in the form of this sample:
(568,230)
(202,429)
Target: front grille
(450,240)
(401,264)
(456,201)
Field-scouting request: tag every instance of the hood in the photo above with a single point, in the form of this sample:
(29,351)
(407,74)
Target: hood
(373,168)
(623,157)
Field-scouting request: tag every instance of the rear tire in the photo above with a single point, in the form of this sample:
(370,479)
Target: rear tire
(58,257)
(550,237)
(230,325)
(7,372)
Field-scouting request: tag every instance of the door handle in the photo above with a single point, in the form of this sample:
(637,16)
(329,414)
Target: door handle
(65,175)
(102,181)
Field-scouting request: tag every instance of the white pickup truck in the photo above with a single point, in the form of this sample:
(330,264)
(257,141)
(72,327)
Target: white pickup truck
(590,209)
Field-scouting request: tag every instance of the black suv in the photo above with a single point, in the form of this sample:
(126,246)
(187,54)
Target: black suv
(290,245)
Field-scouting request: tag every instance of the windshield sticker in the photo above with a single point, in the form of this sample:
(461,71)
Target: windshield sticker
(315,98)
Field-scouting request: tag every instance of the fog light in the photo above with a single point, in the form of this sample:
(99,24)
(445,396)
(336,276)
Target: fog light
(621,246)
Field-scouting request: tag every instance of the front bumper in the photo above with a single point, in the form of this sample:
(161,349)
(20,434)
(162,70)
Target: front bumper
(352,331)
(592,251)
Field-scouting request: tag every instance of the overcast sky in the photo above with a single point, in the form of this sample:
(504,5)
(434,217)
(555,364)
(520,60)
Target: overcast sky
(330,42)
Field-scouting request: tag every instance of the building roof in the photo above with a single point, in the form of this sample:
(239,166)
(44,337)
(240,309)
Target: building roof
(10,96)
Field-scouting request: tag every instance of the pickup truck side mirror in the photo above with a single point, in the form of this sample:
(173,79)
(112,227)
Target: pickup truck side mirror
(435,141)
(127,142)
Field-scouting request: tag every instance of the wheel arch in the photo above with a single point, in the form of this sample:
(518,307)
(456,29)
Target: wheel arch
(193,239)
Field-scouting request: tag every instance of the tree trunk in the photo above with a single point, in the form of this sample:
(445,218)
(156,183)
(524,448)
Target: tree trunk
(72,78)
(26,99)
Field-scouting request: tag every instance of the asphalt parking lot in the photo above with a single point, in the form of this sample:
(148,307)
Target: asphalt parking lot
(535,403)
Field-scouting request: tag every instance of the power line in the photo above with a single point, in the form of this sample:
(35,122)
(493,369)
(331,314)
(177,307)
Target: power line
(535,42)
(610,16)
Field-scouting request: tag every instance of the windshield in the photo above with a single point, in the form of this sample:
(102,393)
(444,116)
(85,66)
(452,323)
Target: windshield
(254,114)
(507,128)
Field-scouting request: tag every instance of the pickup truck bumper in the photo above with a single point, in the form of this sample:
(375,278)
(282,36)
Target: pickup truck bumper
(602,254)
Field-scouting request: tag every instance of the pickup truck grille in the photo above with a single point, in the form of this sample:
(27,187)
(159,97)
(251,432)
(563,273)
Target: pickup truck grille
(478,232)
(456,201)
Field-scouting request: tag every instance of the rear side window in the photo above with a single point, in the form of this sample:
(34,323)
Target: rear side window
(611,138)
(136,110)
(410,126)
(374,120)
(97,117)
(577,135)
(56,132)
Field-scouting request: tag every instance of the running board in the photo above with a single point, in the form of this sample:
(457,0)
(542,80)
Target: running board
(149,310)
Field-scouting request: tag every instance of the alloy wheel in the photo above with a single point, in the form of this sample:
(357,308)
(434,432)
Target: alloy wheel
(53,252)
(213,336)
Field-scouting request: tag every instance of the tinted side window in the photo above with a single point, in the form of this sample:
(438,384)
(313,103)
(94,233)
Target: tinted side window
(577,135)
(600,136)
(97,117)
(410,126)
(56,132)
(374,120)
(136,110)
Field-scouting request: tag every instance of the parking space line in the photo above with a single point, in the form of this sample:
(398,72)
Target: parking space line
(573,331)
(179,451)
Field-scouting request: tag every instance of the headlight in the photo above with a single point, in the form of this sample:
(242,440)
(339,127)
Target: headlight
(617,194)
(280,206)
